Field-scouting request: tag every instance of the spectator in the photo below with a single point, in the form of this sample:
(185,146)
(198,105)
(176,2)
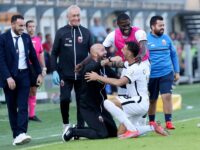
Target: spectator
(98,31)
(47,46)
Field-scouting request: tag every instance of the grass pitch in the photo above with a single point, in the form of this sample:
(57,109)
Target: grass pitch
(46,135)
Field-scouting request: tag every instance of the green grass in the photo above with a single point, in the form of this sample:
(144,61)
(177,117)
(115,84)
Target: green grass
(46,135)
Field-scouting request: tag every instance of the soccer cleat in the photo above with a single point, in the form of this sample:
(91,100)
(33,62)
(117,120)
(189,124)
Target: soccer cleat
(160,130)
(67,134)
(129,134)
(152,123)
(169,125)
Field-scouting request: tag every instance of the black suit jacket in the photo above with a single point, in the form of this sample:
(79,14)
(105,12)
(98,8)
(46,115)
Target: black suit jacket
(9,58)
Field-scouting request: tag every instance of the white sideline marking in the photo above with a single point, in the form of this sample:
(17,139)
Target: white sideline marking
(56,135)
(4,120)
(44,137)
(39,146)
(185,120)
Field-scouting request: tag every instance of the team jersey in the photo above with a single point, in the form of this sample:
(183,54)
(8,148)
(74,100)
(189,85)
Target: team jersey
(117,40)
(163,56)
(138,75)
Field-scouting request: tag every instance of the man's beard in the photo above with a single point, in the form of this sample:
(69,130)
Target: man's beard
(159,33)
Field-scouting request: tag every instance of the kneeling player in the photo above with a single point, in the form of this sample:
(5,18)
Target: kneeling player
(129,108)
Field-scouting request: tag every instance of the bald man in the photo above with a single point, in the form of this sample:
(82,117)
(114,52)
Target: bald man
(100,122)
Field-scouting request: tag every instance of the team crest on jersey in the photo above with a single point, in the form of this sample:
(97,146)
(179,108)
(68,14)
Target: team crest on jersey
(164,42)
(80,39)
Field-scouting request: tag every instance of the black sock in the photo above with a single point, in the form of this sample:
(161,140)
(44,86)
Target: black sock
(151,117)
(168,117)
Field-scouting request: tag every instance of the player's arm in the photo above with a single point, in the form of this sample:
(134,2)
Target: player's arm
(115,61)
(141,37)
(116,82)
(143,48)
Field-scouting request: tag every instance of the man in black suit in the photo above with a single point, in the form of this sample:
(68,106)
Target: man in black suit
(16,50)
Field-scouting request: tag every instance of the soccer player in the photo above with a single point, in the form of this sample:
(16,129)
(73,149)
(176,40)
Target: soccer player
(164,70)
(30,27)
(129,108)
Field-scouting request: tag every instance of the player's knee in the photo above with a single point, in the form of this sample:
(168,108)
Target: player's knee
(102,135)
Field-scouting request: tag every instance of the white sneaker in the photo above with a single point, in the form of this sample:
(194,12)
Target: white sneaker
(65,129)
(22,139)
(66,126)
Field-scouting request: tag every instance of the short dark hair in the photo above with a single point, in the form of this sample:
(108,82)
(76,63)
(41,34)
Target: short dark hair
(154,19)
(133,47)
(29,21)
(15,17)
(122,16)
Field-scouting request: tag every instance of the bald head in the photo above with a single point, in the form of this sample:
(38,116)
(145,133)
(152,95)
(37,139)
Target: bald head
(98,51)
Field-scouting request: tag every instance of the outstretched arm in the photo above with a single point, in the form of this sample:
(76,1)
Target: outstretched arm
(95,77)
(113,62)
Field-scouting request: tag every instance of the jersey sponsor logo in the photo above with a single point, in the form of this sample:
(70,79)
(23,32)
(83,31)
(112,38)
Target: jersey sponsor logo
(66,44)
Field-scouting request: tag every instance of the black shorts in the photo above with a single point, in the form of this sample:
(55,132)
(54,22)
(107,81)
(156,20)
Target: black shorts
(161,84)
(33,77)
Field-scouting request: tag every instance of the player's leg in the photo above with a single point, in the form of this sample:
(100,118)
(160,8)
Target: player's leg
(32,104)
(77,89)
(110,123)
(166,95)
(96,128)
(114,107)
(65,99)
(153,88)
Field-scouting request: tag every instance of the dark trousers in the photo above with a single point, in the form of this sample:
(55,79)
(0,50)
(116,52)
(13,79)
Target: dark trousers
(65,99)
(96,129)
(17,103)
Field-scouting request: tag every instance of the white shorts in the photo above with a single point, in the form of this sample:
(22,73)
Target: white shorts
(134,107)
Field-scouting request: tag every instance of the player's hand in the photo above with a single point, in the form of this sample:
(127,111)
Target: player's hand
(39,80)
(176,77)
(78,68)
(11,83)
(93,76)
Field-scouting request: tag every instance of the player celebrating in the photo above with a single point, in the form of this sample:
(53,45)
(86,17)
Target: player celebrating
(135,103)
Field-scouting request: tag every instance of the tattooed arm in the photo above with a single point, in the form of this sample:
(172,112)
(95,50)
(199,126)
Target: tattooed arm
(113,62)
(143,50)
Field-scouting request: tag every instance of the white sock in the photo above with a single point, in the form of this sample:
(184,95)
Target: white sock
(119,114)
(145,129)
